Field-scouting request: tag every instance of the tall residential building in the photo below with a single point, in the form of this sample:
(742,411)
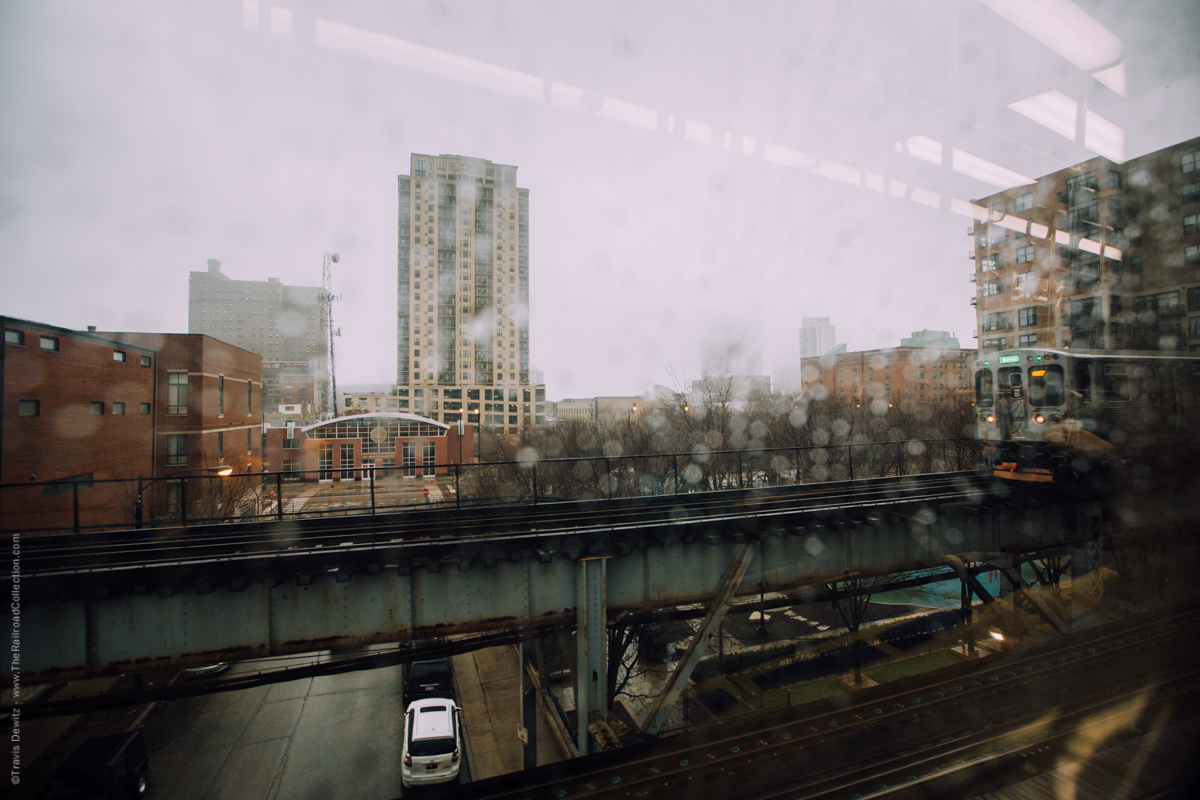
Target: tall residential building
(286,325)
(1095,256)
(462,326)
(817,336)
(728,350)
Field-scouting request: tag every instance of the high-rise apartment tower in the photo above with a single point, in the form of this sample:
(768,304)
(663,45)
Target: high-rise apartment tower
(462,325)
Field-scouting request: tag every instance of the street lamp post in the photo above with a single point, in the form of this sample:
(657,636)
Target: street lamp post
(143,485)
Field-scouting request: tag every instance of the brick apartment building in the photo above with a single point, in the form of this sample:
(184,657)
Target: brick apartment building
(77,407)
(1096,256)
(86,407)
(927,367)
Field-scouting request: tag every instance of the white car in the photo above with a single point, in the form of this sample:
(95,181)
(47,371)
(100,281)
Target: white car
(432,742)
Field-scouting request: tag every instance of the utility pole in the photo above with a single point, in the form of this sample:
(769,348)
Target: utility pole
(327,297)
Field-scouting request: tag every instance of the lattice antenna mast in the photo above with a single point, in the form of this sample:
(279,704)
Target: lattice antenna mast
(327,297)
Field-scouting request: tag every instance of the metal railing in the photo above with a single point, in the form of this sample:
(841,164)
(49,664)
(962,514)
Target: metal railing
(194,499)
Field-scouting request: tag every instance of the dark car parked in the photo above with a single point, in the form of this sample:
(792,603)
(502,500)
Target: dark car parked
(104,768)
(428,679)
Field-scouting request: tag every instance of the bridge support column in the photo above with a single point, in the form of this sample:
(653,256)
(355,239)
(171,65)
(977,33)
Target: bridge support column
(730,581)
(591,648)
(527,655)
(1087,560)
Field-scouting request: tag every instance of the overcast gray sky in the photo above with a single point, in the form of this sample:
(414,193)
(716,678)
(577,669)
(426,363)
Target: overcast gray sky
(688,163)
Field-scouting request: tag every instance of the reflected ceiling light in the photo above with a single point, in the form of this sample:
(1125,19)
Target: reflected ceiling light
(1067,30)
(787,157)
(1052,109)
(930,151)
(1057,112)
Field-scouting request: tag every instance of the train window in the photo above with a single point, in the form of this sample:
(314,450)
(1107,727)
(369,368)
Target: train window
(1083,381)
(1046,385)
(985,394)
(1196,385)
(1116,383)
(1011,381)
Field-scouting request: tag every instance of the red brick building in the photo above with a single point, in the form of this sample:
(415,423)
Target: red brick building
(210,409)
(84,407)
(75,406)
(341,448)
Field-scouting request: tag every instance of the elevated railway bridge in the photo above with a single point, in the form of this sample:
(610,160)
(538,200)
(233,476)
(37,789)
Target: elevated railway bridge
(123,602)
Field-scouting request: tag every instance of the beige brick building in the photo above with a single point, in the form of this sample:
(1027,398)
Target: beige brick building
(1095,256)
(463,294)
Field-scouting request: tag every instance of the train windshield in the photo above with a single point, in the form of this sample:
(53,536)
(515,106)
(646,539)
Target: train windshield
(985,392)
(1046,385)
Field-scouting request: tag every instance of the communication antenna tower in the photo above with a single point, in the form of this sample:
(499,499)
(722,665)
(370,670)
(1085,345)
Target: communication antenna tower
(327,297)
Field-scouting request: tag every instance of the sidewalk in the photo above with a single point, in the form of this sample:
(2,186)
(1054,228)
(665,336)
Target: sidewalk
(488,683)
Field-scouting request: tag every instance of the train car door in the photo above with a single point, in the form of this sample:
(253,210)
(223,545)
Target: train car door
(1011,414)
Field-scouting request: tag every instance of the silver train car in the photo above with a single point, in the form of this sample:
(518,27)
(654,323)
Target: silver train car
(1062,416)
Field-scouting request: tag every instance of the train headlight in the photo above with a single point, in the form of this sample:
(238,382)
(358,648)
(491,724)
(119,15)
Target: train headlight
(1055,418)
(1039,419)
(991,418)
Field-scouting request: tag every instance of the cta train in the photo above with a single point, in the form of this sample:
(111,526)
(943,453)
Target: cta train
(1061,416)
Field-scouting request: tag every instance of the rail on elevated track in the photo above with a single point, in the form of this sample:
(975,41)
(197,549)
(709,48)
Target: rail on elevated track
(197,496)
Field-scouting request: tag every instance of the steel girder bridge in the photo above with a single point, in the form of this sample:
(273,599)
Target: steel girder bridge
(133,601)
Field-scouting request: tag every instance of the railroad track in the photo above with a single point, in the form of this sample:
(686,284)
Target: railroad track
(973,729)
(67,554)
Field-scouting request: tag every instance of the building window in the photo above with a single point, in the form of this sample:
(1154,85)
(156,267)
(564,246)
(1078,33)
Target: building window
(221,445)
(249,442)
(1191,254)
(1193,299)
(14,337)
(177,449)
(1027,317)
(1135,236)
(1025,254)
(119,409)
(144,408)
(119,356)
(145,361)
(67,485)
(1191,192)
(97,408)
(1189,161)
(1193,326)
(995,322)
(177,393)
(1114,180)
(993,287)
(49,343)
(1027,340)
(1189,223)
(220,394)
(1135,265)
(291,444)
(29,408)
(1025,202)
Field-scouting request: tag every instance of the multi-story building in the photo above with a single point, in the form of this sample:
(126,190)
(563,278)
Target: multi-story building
(77,408)
(463,294)
(1099,255)
(210,402)
(286,325)
(369,402)
(936,370)
(817,336)
(80,409)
